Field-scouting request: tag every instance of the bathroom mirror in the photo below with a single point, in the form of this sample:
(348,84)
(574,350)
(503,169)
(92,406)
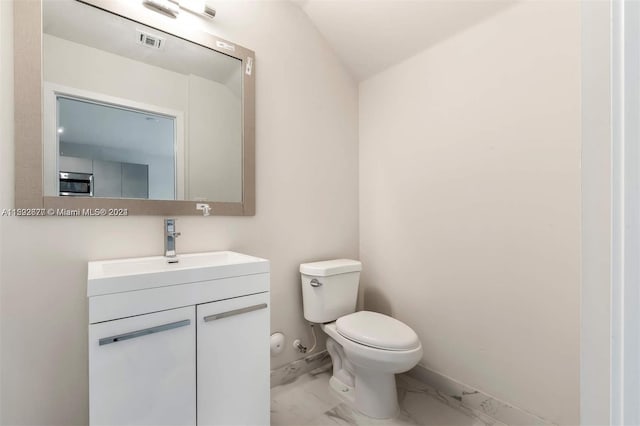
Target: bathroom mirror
(130,109)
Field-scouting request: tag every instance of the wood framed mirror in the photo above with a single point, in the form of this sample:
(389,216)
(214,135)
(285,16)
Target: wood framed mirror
(118,107)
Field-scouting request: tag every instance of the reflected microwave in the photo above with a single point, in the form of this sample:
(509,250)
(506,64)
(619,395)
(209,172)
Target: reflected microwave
(76,184)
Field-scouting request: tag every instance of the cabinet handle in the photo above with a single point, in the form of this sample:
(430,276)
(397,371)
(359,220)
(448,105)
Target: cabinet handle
(144,332)
(235,312)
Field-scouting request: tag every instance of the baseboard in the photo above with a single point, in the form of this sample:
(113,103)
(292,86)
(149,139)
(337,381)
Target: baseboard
(289,372)
(476,400)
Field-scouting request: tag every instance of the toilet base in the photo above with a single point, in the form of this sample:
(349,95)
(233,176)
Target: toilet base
(376,397)
(343,391)
(376,394)
(369,391)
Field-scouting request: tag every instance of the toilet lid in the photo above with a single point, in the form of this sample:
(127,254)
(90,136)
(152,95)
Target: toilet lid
(378,331)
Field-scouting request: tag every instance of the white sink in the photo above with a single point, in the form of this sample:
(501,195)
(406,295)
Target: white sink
(123,275)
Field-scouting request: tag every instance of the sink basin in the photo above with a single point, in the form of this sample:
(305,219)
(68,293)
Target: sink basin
(122,275)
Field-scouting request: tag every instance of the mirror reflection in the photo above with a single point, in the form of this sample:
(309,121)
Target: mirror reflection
(132,112)
(126,153)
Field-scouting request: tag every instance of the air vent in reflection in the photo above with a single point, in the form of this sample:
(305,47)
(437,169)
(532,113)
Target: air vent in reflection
(150,40)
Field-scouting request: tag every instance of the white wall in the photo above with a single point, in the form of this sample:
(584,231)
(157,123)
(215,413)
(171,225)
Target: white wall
(213,149)
(82,67)
(6,149)
(306,114)
(595,337)
(625,213)
(470,204)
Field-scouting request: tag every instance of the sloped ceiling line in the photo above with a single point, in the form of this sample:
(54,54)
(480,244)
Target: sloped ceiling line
(372,35)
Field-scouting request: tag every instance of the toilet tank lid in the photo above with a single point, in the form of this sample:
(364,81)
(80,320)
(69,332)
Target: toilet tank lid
(330,267)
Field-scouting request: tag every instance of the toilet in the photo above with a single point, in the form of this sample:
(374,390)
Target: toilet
(367,348)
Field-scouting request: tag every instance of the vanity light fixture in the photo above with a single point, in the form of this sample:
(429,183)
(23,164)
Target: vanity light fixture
(171,8)
(166,7)
(198,7)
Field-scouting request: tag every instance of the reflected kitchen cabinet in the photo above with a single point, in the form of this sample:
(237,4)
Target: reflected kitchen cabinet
(135,180)
(107,179)
(120,180)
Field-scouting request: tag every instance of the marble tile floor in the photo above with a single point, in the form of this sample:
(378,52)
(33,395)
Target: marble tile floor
(308,401)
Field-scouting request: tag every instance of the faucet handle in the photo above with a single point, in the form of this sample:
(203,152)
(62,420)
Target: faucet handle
(170,240)
(170,228)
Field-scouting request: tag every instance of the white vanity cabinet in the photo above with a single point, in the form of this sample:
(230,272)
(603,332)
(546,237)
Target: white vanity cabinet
(231,379)
(143,369)
(179,344)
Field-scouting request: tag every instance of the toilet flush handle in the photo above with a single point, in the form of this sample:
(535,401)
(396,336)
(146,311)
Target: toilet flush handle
(315,283)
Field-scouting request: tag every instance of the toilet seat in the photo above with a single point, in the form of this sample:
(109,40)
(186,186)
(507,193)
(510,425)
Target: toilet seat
(377,331)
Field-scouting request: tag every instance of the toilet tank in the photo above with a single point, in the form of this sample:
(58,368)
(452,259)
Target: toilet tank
(329,289)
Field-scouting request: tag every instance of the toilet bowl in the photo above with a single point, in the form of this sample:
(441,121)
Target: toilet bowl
(373,388)
(367,348)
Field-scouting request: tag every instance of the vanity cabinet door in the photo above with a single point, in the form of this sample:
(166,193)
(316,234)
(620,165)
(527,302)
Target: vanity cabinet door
(233,361)
(142,370)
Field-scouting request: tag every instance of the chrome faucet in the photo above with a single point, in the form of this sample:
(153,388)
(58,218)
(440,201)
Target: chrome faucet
(170,236)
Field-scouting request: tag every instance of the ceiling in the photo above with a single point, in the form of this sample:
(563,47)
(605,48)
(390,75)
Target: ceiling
(80,23)
(368,35)
(372,35)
